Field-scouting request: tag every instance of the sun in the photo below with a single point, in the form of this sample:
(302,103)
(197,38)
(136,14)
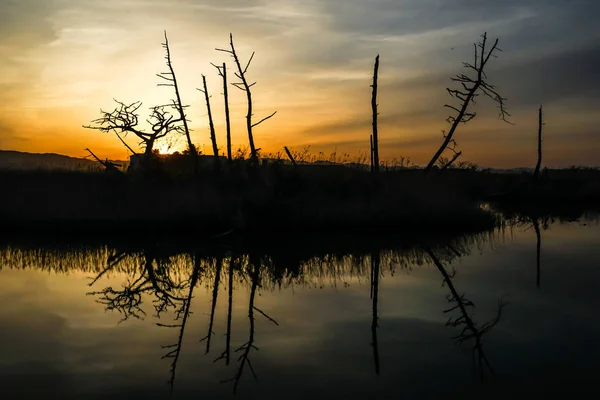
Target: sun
(165,148)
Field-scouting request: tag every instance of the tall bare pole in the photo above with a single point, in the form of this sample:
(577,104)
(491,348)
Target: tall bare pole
(536,173)
(375,140)
(223,73)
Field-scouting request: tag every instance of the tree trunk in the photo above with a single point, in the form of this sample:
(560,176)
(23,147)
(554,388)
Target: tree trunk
(227,121)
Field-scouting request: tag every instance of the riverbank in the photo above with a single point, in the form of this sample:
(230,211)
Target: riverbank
(277,199)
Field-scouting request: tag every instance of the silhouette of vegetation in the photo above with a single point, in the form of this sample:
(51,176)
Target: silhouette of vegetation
(308,192)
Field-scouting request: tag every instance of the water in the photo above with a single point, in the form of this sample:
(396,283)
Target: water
(82,322)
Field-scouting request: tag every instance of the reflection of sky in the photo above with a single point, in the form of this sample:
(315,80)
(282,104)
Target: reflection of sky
(55,338)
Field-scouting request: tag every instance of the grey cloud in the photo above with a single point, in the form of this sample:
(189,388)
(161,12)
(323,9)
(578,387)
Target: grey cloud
(27,22)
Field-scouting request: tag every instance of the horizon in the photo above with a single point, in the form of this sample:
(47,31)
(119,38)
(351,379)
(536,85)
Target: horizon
(314,65)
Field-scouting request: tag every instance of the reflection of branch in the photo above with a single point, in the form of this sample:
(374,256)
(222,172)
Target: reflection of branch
(155,278)
(215,294)
(227,351)
(244,358)
(112,262)
(174,354)
(470,329)
(375,271)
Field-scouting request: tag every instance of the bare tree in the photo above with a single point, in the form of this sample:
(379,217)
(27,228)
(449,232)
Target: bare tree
(125,119)
(244,86)
(470,88)
(536,173)
(223,73)
(171,80)
(211,125)
(375,139)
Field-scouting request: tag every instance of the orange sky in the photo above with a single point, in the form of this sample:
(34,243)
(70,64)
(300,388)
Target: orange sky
(66,59)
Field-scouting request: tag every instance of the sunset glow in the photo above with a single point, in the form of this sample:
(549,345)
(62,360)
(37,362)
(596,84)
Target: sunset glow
(64,60)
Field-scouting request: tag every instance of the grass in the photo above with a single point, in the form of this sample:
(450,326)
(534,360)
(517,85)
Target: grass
(276,198)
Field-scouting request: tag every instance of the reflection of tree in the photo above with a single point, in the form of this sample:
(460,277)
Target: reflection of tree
(538,249)
(155,278)
(375,271)
(227,352)
(244,349)
(182,314)
(537,222)
(470,330)
(215,294)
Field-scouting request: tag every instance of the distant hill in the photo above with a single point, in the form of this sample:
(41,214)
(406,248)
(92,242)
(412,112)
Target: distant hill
(10,159)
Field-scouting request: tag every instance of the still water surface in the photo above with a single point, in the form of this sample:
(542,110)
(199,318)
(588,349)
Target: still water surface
(480,317)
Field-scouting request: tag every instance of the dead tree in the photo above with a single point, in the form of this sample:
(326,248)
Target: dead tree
(125,119)
(536,173)
(211,125)
(244,86)
(171,80)
(223,73)
(470,88)
(375,140)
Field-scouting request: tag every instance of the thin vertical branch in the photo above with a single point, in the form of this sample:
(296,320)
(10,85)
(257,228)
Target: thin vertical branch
(211,125)
(227,120)
(223,73)
(290,156)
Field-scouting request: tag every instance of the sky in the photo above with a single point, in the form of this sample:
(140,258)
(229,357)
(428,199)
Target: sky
(64,60)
